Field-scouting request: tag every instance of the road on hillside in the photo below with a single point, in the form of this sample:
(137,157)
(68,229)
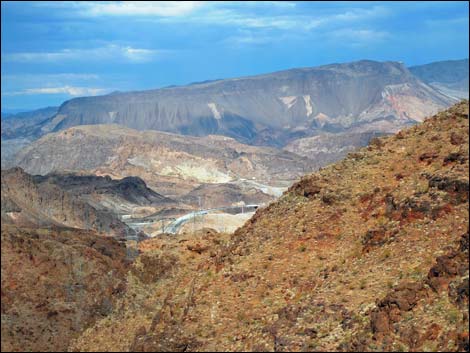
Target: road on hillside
(139,224)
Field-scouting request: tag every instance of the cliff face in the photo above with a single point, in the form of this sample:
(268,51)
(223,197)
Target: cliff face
(268,109)
(370,253)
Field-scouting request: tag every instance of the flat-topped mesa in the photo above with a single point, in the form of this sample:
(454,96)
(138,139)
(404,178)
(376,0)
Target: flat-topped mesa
(286,102)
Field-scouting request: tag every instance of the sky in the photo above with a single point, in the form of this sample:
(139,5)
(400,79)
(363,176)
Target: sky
(54,51)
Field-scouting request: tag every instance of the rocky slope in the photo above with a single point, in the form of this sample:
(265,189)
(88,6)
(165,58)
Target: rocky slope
(55,283)
(268,109)
(173,165)
(450,76)
(370,253)
(84,202)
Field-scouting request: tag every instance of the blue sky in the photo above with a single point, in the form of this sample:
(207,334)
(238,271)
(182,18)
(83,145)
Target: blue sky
(54,51)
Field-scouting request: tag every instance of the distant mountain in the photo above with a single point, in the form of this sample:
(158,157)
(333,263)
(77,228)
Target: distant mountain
(25,124)
(342,105)
(20,129)
(74,201)
(171,164)
(328,147)
(450,76)
(270,109)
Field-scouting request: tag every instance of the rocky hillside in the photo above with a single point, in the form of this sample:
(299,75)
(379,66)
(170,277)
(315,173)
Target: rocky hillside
(173,165)
(55,283)
(370,253)
(268,109)
(84,202)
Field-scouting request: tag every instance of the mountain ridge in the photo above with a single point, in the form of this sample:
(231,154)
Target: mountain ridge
(287,102)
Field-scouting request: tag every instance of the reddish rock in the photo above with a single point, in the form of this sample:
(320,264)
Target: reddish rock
(463,342)
(428,156)
(456,139)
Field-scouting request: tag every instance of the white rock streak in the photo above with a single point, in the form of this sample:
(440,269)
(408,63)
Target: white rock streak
(308,105)
(215,112)
(112,116)
(289,101)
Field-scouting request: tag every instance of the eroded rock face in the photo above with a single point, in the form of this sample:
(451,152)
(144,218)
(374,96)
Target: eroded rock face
(307,187)
(448,266)
(458,188)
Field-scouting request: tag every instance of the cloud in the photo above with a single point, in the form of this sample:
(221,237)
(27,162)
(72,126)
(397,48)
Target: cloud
(139,8)
(109,52)
(358,37)
(49,77)
(447,22)
(69,90)
(250,39)
(243,14)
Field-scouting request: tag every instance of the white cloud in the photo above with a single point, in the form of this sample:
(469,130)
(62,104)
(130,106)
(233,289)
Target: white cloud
(140,8)
(250,38)
(358,37)
(109,52)
(69,90)
(49,77)
(281,15)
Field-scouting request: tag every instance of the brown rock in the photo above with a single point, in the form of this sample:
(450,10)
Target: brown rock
(428,156)
(380,322)
(456,139)
(463,342)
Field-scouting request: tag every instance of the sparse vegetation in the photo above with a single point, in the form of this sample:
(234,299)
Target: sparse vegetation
(266,286)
